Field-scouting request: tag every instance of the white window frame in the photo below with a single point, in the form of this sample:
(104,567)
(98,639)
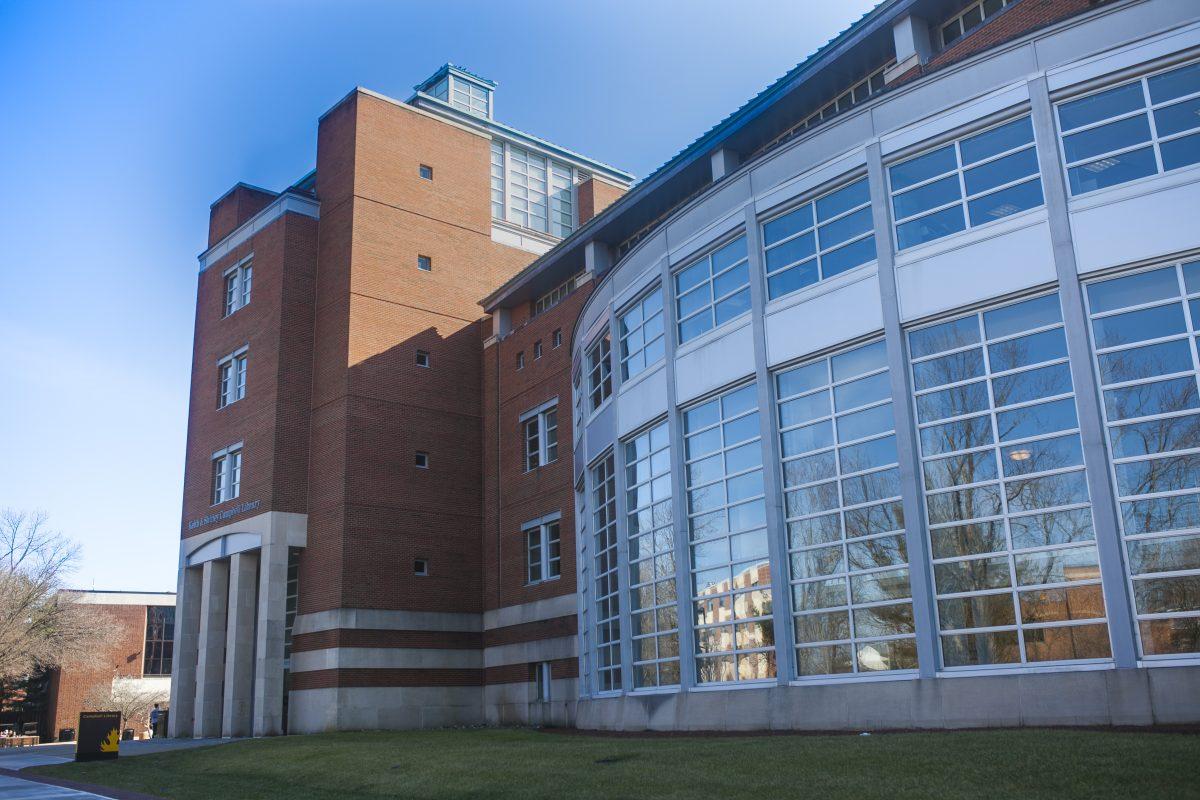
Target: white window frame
(964,199)
(537,349)
(556,339)
(537,536)
(425,263)
(820,250)
(425,172)
(423,356)
(226,481)
(231,377)
(535,427)
(1148,108)
(627,332)
(533,190)
(710,308)
(236,285)
(421,456)
(602,485)
(599,371)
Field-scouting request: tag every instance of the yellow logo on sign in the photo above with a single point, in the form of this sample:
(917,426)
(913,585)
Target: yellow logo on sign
(111,742)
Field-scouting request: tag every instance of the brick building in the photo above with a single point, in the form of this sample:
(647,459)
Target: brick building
(606,500)
(139,657)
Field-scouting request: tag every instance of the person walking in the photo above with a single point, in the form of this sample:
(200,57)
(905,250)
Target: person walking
(154,715)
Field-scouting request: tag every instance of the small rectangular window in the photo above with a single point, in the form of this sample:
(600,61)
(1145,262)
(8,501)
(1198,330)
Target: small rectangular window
(713,290)
(541,682)
(543,556)
(421,567)
(537,349)
(426,172)
(421,460)
(425,263)
(422,359)
(556,339)
(521,360)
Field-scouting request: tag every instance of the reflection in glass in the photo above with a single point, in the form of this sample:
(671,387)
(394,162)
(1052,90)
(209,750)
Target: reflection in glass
(848,560)
(1153,434)
(1006,494)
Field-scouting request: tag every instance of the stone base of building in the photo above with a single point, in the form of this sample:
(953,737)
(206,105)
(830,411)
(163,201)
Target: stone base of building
(510,704)
(360,708)
(1134,697)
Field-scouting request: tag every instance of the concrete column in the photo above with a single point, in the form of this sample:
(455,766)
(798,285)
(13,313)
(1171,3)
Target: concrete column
(777,543)
(724,161)
(913,45)
(210,666)
(268,648)
(237,707)
(187,634)
(919,571)
(1087,391)
(597,258)
(683,550)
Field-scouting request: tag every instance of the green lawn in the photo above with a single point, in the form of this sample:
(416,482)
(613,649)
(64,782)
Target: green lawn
(528,765)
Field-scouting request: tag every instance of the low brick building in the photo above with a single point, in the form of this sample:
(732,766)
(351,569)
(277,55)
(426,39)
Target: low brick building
(138,658)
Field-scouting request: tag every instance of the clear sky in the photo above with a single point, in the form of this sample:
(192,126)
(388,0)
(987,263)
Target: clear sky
(121,122)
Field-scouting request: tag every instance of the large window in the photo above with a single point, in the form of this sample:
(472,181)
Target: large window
(608,601)
(599,367)
(731,570)
(1010,524)
(231,378)
(713,290)
(160,638)
(541,436)
(531,190)
(238,282)
(227,474)
(653,603)
(1144,329)
(1142,128)
(976,180)
(819,239)
(543,554)
(845,523)
(641,330)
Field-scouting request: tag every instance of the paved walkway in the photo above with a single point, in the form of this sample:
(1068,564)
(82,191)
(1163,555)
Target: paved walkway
(12,788)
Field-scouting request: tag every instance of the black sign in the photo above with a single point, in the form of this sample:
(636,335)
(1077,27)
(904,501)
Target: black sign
(99,735)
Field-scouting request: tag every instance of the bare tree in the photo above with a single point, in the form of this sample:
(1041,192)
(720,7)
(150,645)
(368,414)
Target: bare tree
(41,625)
(132,697)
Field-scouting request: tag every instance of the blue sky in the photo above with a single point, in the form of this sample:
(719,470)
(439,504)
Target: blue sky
(122,122)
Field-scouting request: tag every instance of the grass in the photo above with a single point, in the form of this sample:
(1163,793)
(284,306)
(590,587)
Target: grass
(530,765)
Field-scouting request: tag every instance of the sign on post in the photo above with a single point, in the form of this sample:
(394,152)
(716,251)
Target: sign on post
(99,735)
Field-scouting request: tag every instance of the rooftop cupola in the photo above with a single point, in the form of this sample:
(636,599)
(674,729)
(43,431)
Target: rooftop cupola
(461,89)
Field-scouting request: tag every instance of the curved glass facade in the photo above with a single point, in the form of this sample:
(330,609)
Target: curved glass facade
(867,459)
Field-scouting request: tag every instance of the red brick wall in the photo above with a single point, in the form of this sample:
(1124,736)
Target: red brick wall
(373,408)
(512,495)
(272,419)
(71,685)
(235,207)
(595,196)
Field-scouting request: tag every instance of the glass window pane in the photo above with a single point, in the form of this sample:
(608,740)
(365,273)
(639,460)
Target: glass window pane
(847,227)
(943,370)
(962,434)
(792,279)
(933,226)
(790,252)
(733,306)
(1143,287)
(931,195)
(1106,138)
(946,336)
(1001,171)
(1138,326)
(923,167)
(841,201)
(1112,170)
(777,229)
(1177,118)
(1102,105)
(1174,394)
(1008,201)
(997,140)
(1042,456)
(1024,351)
(858,361)
(1176,83)
(1181,152)
(845,258)
(1135,363)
